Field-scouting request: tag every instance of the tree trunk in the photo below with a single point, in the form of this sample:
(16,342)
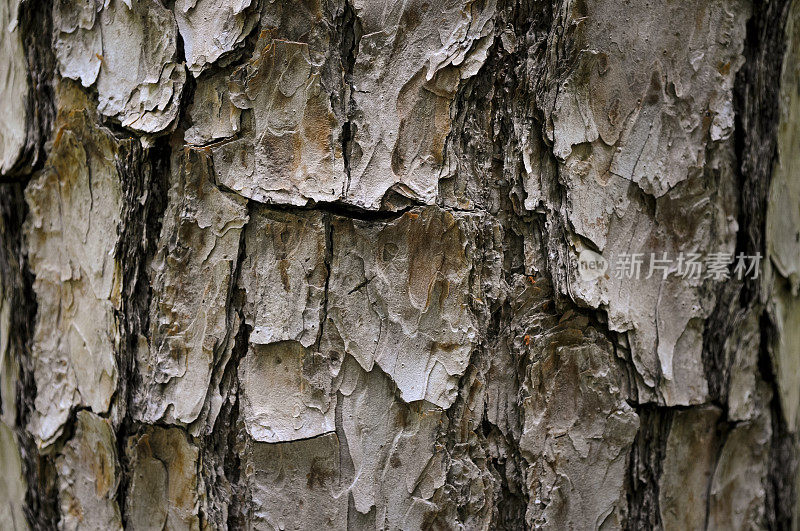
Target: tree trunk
(311,264)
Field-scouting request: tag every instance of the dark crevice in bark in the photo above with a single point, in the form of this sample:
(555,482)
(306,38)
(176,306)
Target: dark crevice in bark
(513,496)
(180,48)
(41,505)
(781,493)
(499,445)
(513,502)
(343,210)
(143,174)
(493,88)
(221,449)
(757,106)
(35,25)
(645,466)
(224,445)
(482,138)
(349,29)
(756,101)
(634,380)
(232,466)
(723,430)
(327,261)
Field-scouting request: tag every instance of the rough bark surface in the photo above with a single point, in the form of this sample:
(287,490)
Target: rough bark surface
(311,264)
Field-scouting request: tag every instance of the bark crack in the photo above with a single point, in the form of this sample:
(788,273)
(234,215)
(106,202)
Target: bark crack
(351,36)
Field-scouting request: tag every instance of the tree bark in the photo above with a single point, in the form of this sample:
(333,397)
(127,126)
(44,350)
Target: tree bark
(348,264)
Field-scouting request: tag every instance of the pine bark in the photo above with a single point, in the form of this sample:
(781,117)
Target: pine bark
(305,264)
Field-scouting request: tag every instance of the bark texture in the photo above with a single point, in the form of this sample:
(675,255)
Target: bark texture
(312,264)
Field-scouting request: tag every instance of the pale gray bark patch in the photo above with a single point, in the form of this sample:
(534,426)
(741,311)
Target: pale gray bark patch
(284,276)
(164,489)
(633,122)
(212,28)
(291,152)
(297,403)
(401,297)
(13,72)
(75,207)
(88,471)
(409,62)
(128,50)
(737,489)
(690,456)
(577,429)
(213,115)
(12,487)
